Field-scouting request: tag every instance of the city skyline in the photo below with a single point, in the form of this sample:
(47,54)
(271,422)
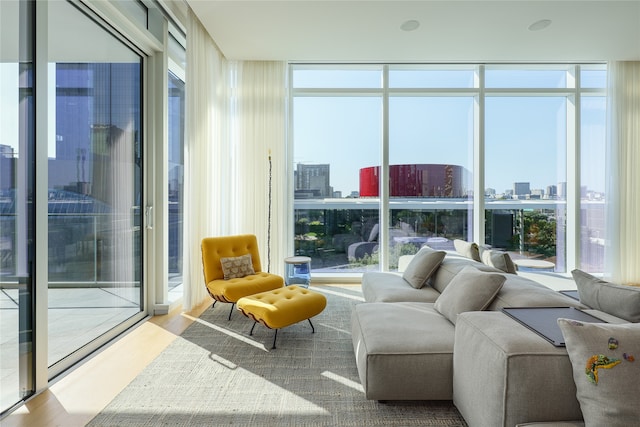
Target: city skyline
(525,137)
(551,190)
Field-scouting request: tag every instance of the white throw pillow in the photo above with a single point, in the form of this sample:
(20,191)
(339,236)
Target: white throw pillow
(605,371)
(422,266)
(469,290)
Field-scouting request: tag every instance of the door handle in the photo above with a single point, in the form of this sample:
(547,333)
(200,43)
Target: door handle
(148,217)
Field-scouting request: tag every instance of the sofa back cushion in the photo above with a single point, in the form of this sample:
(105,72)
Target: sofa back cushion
(619,300)
(422,266)
(498,259)
(452,265)
(470,290)
(519,291)
(467,249)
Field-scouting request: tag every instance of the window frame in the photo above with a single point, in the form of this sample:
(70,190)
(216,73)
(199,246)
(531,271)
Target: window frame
(572,92)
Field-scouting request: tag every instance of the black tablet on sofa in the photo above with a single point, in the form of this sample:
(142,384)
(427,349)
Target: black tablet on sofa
(544,320)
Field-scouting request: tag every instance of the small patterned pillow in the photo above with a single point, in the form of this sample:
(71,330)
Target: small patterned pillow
(236,267)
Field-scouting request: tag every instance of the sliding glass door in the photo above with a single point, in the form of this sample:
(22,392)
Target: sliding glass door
(94,181)
(16,204)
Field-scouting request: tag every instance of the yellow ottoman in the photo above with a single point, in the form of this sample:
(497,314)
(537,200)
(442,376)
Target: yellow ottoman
(282,307)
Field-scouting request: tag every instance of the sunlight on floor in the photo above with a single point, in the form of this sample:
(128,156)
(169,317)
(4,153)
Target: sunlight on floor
(232,334)
(326,290)
(344,381)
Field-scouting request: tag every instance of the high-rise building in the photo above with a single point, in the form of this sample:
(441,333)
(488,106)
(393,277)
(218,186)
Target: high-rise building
(562,190)
(7,167)
(313,181)
(537,193)
(521,189)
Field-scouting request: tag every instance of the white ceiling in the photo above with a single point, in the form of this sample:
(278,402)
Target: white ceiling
(453,30)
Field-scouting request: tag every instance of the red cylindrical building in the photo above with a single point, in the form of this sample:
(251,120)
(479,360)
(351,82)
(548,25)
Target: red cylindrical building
(423,180)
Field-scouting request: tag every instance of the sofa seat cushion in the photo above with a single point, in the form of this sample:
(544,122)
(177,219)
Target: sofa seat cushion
(505,374)
(391,287)
(404,351)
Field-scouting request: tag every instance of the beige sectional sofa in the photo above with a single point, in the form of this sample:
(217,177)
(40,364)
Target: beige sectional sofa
(410,344)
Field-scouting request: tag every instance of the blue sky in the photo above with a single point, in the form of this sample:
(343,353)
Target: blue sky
(525,135)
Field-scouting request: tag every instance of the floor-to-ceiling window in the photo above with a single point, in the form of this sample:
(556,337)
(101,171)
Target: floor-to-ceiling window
(431,135)
(94,181)
(16,203)
(519,123)
(340,131)
(525,160)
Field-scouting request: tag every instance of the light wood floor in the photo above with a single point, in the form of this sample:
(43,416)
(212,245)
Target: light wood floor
(82,393)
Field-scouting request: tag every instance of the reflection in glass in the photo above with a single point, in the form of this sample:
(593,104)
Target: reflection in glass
(17,154)
(95,167)
(176,181)
(592,195)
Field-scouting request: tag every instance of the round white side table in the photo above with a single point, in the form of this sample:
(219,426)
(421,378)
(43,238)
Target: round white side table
(297,271)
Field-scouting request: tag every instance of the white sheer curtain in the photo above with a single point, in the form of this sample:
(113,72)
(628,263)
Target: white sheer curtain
(206,154)
(623,162)
(260,132)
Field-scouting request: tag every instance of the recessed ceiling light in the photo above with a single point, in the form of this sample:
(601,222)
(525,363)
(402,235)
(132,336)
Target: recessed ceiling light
(540,25)
(410,25)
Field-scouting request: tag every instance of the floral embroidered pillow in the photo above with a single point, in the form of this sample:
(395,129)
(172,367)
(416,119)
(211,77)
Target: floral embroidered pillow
(236,267)
(605,370)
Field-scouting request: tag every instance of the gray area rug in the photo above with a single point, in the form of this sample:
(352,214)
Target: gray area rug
(215,374)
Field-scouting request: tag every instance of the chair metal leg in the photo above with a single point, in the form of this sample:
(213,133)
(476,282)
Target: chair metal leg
(313,330)
(274,340)
(231,311)
(254,325)
(214,303)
